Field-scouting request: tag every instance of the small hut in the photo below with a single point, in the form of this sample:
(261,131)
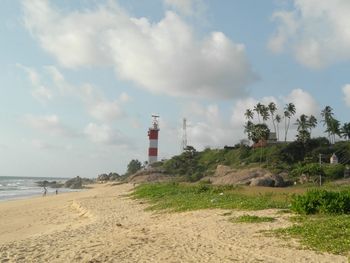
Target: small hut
(333,159)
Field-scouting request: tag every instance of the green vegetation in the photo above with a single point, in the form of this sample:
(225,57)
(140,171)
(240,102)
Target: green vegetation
(252,219)
(184,197)
(322,233)
(323,202)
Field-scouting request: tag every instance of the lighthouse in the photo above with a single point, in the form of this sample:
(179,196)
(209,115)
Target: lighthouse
(153,140)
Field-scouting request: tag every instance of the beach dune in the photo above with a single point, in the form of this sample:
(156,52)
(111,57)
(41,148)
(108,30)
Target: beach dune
(103,224)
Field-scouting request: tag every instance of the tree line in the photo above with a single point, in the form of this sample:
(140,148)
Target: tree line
(305,124)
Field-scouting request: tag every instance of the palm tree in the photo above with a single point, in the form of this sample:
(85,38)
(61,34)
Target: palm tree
(333,128)
(264,113)
(278,119)
(258,108)
(249,114)
(272,109)
(332,124)
(248,129)
(345,130)
(302,122)
(289,111)
(312,123)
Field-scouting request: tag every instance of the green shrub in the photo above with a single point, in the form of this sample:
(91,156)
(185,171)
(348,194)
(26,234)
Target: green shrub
(310,169)
(333,171)
(322,201)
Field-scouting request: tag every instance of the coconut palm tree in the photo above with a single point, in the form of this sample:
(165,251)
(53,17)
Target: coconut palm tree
(249,114)
(289,111)
(278,120)
(327,115)
(333,128)
(272,109)
(264,113)
(345,130)
(312,123)
(258,108)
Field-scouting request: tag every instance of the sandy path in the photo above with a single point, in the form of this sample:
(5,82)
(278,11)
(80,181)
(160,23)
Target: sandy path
(103,225)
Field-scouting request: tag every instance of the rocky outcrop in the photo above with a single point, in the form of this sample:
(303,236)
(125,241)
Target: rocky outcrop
(108,177)
(150,174)
(251,176)
(51,184)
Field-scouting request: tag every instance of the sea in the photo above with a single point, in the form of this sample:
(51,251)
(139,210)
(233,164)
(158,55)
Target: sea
(12,188)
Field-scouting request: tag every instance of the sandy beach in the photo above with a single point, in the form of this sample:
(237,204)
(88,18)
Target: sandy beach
(104,225)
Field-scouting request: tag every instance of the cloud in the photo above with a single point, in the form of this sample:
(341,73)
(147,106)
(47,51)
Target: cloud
(316,31)
(346,91)
(164,57)
(104,134)
(99,107)
(304,102)
(48,124)
(39,91)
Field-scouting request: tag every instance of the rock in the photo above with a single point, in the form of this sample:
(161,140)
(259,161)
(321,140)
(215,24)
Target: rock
(262,181)
(108,177)
(75,183)
(270,180)
(279,182)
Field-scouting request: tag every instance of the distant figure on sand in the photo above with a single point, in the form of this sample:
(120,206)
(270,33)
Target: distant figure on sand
(45,191)
(56,191)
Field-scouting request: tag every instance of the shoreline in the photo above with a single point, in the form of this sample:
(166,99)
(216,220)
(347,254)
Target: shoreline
(103,224)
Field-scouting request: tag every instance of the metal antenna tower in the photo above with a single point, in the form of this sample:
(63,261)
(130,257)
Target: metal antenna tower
(184,134)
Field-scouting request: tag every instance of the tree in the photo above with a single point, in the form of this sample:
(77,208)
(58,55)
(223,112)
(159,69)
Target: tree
(303,128)
(278,119)
(248,129)
(312,123)
(259,132)
(345,130)
(272,109)
(264,113)
(258,108)
(289,111)
(332,124)
(333,128)
(249,114)
(133,166)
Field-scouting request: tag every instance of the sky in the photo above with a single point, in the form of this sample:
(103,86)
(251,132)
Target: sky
(79,80)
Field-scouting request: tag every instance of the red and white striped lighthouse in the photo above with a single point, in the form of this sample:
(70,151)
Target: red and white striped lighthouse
(153,140)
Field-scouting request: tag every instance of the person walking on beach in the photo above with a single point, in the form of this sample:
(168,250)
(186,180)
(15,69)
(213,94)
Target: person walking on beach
(56,191)
(45,191)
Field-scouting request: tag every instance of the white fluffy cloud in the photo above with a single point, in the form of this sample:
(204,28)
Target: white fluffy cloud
(317,32)
(164,57)
(304,102)
(39,91)
(99,107)
(48,124)
(346,91)
(104,134)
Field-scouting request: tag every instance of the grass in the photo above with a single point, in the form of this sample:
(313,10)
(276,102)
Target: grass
(252,219)
(321,232)
(185,197)
(325,233)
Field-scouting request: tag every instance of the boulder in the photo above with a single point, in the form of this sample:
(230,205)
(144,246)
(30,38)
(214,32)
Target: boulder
(74,183)
(268,181)
(262,181)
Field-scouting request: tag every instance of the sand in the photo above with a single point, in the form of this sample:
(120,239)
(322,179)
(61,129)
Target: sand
(104,225)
